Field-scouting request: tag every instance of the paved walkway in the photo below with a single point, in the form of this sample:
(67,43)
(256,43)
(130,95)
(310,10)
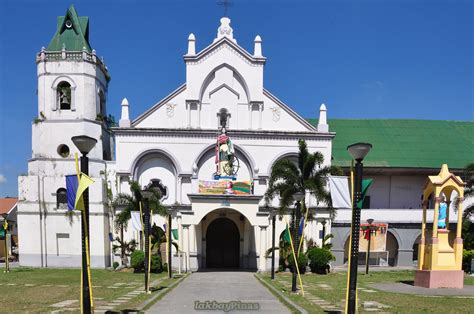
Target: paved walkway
(218,288)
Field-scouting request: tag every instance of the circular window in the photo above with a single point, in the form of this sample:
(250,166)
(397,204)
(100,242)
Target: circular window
(63,150)
(68,24)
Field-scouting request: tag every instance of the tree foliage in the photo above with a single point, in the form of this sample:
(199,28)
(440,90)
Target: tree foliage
(308,174)
(127,203)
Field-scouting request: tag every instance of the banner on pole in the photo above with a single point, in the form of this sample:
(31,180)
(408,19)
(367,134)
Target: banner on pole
(378,239)
(340,195)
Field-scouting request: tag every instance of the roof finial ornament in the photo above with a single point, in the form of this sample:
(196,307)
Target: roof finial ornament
(225,30)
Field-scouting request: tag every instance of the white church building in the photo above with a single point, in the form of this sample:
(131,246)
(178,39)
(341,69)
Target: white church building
(174,141)
(221,108)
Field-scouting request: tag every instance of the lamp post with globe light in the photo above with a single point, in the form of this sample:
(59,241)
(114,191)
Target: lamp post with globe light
(147,193)
(85,144)
(358,152)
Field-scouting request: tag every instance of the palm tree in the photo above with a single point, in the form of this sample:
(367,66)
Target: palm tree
(468,190)
(128,203)
(287,178)
(126,248)
(158,237)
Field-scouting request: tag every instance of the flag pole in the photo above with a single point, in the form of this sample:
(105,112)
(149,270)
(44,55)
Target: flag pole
(294,256)
(350,241)
(302,231)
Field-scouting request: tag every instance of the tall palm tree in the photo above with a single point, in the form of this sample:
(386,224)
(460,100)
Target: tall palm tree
(131,202)
(287,178)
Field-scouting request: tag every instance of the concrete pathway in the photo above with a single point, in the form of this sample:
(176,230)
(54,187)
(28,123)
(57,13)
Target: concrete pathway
(218,290)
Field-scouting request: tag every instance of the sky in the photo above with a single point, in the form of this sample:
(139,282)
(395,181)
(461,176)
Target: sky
(363,59)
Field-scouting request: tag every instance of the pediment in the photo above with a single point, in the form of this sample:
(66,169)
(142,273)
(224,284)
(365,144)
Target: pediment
(224,43)
(224,86)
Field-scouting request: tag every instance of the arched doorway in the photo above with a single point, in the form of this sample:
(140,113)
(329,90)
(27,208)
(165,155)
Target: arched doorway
(222,244)
(392,248)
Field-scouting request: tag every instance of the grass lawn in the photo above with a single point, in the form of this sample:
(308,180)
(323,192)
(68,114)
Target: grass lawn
(332,287)
(35,289)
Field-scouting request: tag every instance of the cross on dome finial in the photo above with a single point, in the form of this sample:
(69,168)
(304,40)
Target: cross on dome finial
(226,4)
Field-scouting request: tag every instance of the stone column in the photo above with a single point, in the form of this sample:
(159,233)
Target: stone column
(436,215)
(421,245)
(186,245)
(250,115)
(198,107)
(179,187)
(262,259)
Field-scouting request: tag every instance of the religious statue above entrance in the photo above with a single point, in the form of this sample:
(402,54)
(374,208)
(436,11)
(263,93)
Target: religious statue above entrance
(227,164)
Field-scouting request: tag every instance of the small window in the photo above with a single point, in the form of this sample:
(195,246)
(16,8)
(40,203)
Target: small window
(61,198)
(102,103)
(223,118)
(63,150)
(64,96)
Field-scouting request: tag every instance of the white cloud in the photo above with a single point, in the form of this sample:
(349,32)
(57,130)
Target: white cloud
(2,179)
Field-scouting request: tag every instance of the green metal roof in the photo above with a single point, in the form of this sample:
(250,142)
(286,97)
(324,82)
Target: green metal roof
(74,37)
(404,143)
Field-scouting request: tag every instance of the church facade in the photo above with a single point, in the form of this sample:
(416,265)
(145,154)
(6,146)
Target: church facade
(211,145)
(222,110)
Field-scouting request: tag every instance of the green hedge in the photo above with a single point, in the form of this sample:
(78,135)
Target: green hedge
(319,260)
(467,256)
(137,262)
(302,263)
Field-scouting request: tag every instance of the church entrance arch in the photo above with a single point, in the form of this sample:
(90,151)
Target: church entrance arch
(222,244)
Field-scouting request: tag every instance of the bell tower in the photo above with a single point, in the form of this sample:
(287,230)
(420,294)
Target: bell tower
(72,92)
(72,97)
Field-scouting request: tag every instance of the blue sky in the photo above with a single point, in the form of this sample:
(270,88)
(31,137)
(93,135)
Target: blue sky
(364,59)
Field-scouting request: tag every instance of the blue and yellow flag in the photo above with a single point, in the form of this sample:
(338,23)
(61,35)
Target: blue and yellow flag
(75,189)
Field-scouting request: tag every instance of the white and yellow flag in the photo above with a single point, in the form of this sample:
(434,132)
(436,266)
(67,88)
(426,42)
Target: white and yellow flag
(84,183)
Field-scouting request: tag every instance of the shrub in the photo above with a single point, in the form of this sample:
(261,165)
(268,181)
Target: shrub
(302,263)
(137,260)
(156,266)
(319,260)
(116,264)
(467,256)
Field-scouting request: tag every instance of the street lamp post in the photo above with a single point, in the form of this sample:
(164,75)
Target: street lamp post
(85,144)
(5,228)
(273,244)
(298,197)
(147,194)
(367,260)
(358,152)
(324,228)
(170,240)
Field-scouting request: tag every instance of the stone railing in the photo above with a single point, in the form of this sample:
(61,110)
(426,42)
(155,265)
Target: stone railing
(77,56)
